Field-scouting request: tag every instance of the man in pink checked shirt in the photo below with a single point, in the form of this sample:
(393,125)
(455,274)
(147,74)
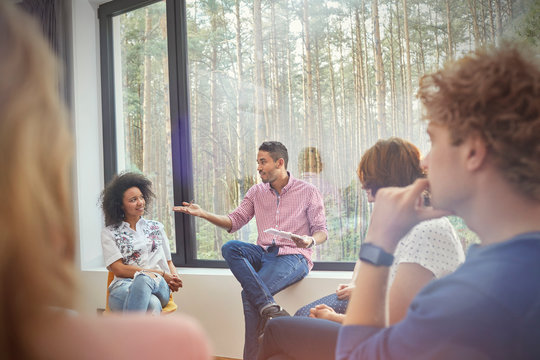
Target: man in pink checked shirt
(280,202)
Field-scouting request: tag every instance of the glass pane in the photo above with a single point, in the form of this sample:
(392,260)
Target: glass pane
(143,126)
(327,79)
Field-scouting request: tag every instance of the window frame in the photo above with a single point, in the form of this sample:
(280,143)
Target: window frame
(182,163)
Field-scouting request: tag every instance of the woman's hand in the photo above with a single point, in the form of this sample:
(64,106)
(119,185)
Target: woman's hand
(324,311)
(174,282)
(344,291)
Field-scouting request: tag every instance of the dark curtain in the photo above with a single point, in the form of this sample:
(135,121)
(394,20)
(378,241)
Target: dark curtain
(54,18)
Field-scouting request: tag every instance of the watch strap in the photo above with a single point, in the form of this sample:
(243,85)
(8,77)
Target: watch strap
(375,255)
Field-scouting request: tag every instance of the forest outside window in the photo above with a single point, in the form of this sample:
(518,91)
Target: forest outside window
(143,125)
(326,78)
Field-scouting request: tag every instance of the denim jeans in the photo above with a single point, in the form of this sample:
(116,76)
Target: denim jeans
(261,273)
(142,293)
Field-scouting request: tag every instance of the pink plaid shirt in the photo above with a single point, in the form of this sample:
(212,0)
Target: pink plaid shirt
(299,209)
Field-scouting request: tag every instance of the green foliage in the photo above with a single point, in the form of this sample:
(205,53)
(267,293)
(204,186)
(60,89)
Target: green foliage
(314,85)
(528,25)
(466,235)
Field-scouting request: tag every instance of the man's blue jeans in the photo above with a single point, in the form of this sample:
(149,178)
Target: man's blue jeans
(142,293)
(261,273)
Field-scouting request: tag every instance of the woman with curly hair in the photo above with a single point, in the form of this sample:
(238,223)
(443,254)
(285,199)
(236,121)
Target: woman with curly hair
(135,249)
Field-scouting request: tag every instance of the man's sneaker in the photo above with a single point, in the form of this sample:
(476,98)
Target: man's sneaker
(270,312)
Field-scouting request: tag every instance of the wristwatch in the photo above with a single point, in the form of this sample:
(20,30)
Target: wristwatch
(375,255)
(313,243)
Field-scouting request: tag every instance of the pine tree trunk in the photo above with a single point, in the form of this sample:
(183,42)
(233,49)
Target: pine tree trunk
(393,101)
(274,76)
(290,116)
(147,98)
(380,88)
(476,31)
(309,73)
(498,16)
(215,133)
(319,120)
(260,124)
(408,91)
(239,129)
(449,31)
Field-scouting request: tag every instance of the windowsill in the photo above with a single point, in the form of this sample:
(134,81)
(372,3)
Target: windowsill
(226,272)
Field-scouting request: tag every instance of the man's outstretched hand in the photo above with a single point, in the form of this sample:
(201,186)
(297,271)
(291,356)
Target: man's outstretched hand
(189,208)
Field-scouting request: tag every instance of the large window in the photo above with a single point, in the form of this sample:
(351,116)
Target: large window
(143,124)
(191,89)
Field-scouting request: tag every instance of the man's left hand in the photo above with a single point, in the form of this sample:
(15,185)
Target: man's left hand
(302,241)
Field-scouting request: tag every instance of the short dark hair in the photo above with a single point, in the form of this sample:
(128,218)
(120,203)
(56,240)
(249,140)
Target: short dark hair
(113,194)
(276,150)
(391,162)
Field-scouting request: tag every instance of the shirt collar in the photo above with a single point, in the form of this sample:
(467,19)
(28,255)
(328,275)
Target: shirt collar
(142,221)
(286,188)
(289,184)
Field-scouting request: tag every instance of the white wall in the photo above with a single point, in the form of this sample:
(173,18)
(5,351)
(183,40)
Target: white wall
(210,295)
(88,171)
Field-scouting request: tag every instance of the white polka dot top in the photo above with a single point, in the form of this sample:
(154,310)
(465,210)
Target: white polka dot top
(432,244)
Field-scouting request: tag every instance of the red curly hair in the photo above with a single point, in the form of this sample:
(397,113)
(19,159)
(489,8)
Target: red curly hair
(493,92)
(390,162)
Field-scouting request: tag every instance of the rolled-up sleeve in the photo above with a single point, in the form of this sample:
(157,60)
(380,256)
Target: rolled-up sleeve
(316,213)
(244,212)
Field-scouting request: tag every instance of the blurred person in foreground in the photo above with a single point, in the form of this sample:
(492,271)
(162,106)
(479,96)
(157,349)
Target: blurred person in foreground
(484,166)
(37,270)
(135,249)
(429,251)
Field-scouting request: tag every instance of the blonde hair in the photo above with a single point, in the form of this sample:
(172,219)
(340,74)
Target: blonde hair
(36,225)
(495,93)
(309,160)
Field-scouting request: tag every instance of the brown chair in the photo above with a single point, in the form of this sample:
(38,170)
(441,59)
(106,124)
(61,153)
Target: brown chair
(168,309)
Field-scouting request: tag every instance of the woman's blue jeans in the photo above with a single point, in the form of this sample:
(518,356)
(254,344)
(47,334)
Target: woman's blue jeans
(261,273)
(142,293)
